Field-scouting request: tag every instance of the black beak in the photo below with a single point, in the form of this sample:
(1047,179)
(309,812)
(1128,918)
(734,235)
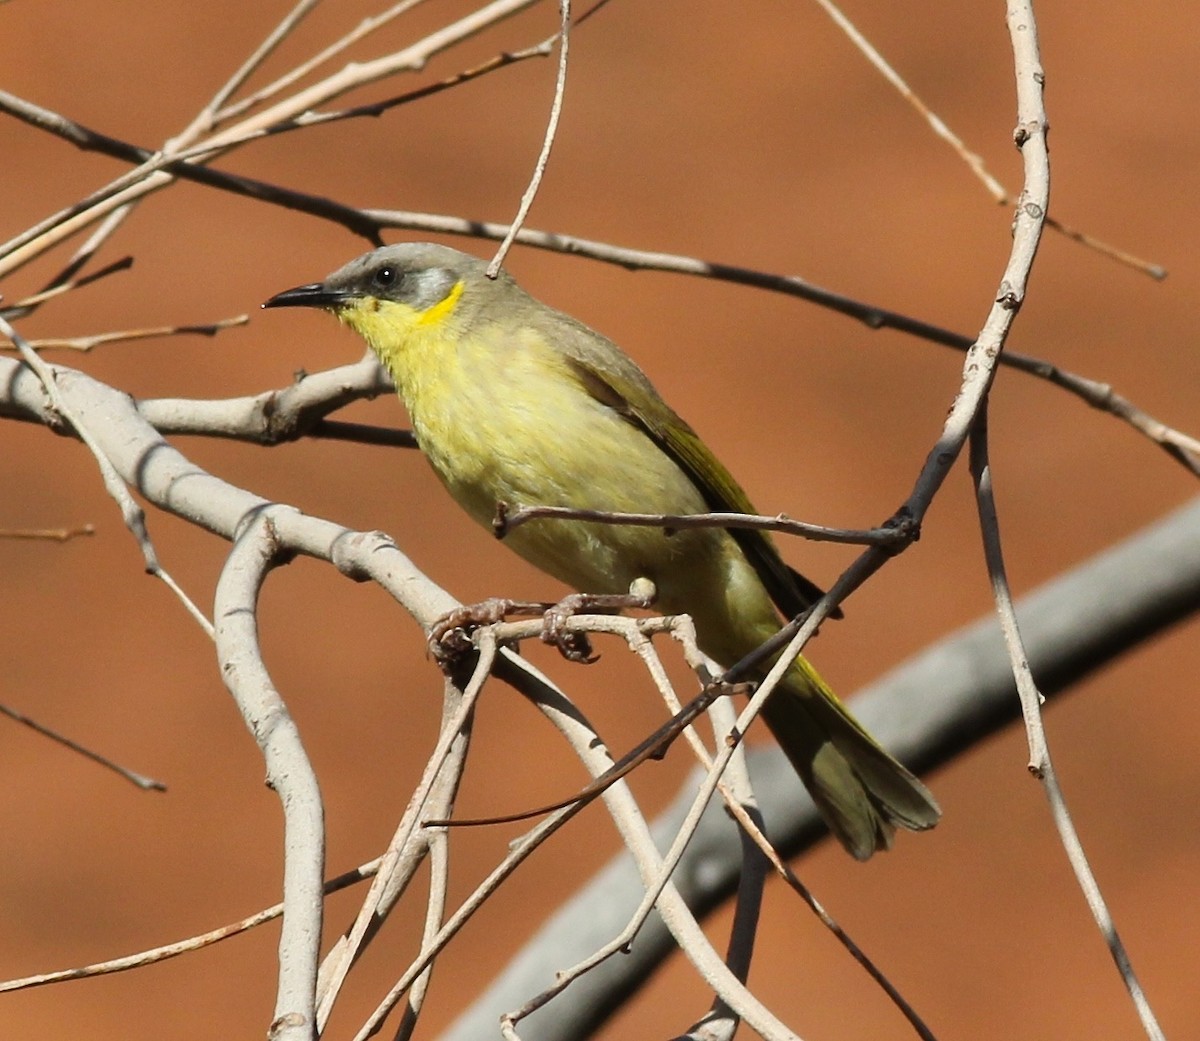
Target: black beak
(315,294)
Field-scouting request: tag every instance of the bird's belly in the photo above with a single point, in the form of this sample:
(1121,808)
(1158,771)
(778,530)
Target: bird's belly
(558,448)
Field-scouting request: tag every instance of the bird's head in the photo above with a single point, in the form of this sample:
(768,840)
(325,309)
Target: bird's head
(395,292)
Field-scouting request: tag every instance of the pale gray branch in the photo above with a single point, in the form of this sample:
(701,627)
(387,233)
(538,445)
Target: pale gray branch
(289,773)
(1041,763)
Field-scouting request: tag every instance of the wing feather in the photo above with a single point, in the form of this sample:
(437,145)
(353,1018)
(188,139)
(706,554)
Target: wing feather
(612,378)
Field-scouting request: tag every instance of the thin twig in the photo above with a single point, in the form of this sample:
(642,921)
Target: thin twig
(136,779)
(407,847)
(185,946)
(634,831)
(149,165)
(675,915)
(90,247)
(375,109)
(657,888)
(302,69)
(720,1023)
(754,830)
(518,851)
(64,282)
(751,830)
(653,746)
(436,842)
(133,515)
(973,160)
(439,868)
(630,628)
(624,937)
(539,169)
(49,534)
(602,784)
(513,516)
(84,344)
(176,160)
(362,434)
(25,247)
(213,113)
(1040,763)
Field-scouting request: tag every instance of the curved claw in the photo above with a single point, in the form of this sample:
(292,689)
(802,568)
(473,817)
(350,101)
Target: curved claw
(574,647)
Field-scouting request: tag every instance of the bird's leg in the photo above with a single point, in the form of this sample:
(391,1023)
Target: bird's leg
(450,636)
(576,646)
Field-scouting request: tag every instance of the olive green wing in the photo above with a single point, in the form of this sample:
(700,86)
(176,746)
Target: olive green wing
(611,377)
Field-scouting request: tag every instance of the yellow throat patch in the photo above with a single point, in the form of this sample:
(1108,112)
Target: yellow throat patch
(387,325)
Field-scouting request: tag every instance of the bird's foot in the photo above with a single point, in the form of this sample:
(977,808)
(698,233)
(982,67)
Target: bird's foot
(576,646)
(450,635)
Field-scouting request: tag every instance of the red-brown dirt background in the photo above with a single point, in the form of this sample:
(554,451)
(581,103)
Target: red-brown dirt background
(748,133)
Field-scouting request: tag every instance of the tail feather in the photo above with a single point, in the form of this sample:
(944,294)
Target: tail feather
(862,793)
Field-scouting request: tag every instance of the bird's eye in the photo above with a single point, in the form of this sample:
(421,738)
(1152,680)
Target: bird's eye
(386,277)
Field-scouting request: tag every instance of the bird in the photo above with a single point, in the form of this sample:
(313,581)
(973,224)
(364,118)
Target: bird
(514,402)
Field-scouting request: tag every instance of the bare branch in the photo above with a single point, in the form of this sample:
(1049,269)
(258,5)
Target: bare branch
(277,416)
(154,176)
(49,534)
(84,344)
(409,846)
(973,160)
(289,772)
(133,515)
(720,1023)
(510,516)
(302,69)
(539,170)
(192,943)
(136,779)
(213,113)
(1040,763)
(64,282)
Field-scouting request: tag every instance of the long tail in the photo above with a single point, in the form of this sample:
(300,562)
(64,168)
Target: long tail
(862,793)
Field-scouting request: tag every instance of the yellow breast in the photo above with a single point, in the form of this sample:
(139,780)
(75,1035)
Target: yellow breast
(503,417)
